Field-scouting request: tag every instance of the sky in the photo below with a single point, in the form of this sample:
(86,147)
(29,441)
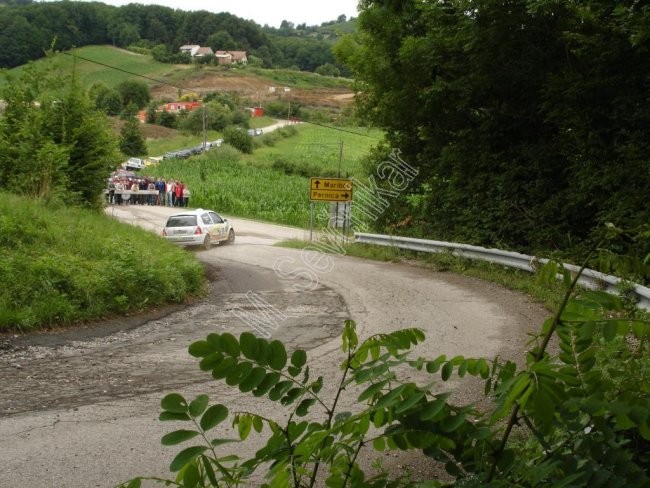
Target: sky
(271,12)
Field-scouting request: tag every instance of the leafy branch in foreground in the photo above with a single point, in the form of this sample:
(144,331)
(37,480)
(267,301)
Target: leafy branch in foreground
(577,416)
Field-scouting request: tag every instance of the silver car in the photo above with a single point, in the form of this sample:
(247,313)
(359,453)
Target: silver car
(198,228)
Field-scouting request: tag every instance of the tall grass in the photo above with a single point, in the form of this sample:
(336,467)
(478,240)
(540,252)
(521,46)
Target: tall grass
(102,57)
(324,150)
(69,265)
(272,184)
(300,79)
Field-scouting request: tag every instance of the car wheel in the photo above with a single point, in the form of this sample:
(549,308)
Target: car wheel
(231,237)
(207,242)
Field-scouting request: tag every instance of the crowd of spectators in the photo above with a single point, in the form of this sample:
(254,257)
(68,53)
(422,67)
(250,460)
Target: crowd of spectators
(147,191)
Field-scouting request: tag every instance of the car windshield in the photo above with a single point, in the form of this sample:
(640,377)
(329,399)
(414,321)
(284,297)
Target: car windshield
(181,221)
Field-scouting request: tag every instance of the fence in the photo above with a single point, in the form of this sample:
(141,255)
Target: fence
(589,278)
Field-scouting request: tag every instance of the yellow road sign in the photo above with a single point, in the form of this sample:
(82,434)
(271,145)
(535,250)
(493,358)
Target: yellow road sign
(330,189)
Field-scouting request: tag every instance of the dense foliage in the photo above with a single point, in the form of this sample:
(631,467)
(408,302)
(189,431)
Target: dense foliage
(527,120)
(581,415)
(26,28)
(54,144)
(67,265)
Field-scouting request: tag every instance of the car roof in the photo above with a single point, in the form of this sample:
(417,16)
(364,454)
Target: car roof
(192,212)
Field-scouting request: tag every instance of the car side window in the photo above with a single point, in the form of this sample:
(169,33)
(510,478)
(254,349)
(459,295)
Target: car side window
(215,218)
(206,219)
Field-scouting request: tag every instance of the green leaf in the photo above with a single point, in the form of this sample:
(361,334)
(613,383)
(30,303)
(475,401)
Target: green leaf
(213,416)
(263,352)
(238,373)
(372,390)
(229,344)
(292,395)
(604,299)
(198,405)
(171,416)
(296,429)
(299,358)
(248,344)
(364,423)
(174,403)
(484,368)
(452,423)
(258,424)
(432,409)
(447,369)
(244,424)
(186,456)
(201,349)
(280,389)
(177,437)
(391,398)
(293,371)
(303,407)
(211,361)
(224,368)
(278,355)
(379,444)
(462,369)
(349,336)
(191,475)
(317,385)
(134,483)
(207,465)
(378,418)
(269,381)
(221,442)
(409,402)
(253,379)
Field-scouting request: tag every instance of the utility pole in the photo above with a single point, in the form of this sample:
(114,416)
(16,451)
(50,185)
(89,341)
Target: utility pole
(205,136)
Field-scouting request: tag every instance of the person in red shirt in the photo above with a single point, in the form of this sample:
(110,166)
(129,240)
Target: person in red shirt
(178,191)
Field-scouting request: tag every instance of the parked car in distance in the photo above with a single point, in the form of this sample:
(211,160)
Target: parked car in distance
(198,228)
(134,163)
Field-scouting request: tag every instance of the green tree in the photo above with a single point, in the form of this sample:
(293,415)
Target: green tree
(160,53)
(328,69)
(53,143)
(238,138)
(524,123)
(134,92)
(105,99)
(132,141)
(166,119)
(128,34)
(221,41)
(20,40)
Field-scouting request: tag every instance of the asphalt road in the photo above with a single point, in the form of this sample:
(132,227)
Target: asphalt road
(79,408)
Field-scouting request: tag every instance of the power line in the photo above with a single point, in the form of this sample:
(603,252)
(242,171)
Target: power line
(127,72)
(190,90)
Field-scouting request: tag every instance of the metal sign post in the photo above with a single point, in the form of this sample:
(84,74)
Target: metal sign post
(333,190)
(311,221)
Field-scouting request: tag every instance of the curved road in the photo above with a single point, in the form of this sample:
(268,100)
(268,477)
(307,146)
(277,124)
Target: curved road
(79,408)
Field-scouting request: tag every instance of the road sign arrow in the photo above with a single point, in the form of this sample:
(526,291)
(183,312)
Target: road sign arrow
(317,184)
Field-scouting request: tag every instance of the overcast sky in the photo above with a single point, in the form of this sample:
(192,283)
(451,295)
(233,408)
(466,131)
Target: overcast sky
(270,12)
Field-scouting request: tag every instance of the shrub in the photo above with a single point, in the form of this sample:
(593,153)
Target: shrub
(238,138)
(583,414)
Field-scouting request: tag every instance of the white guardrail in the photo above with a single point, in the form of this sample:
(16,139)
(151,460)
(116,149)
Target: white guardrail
(589,279)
